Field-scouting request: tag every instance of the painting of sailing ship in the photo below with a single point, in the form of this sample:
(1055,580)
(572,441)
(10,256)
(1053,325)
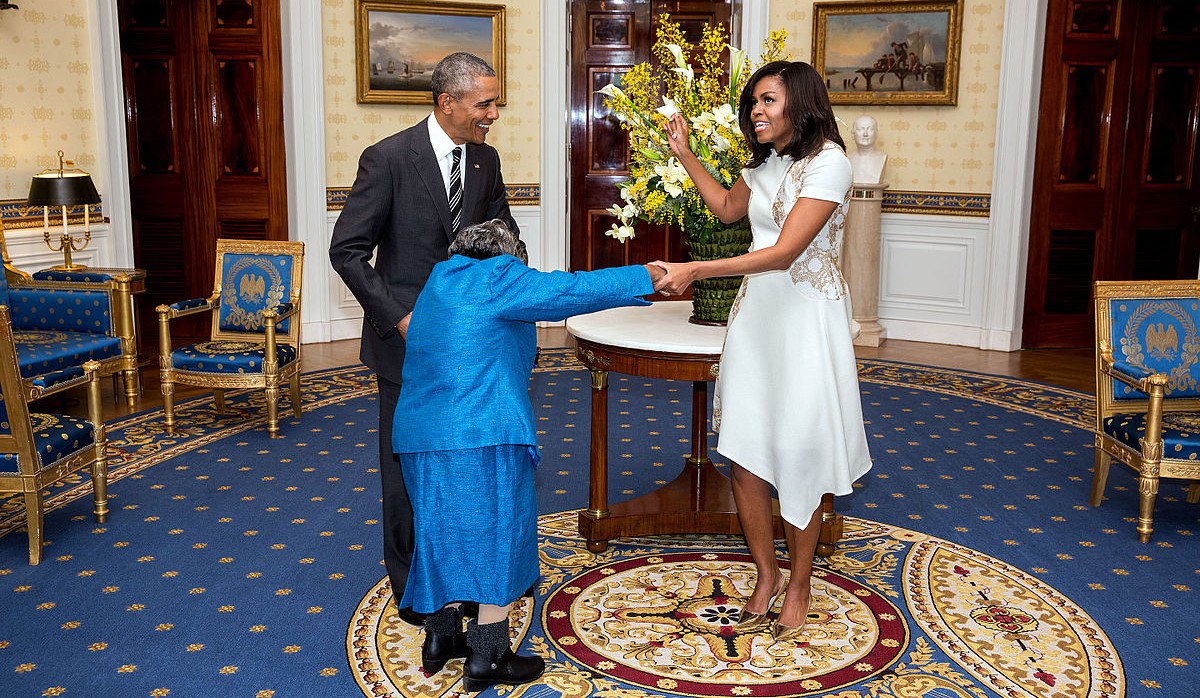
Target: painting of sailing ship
(888,52)
(399,43)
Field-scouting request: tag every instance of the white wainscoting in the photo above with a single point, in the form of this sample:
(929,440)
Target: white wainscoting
(932,278)
(331,311)
(29,253)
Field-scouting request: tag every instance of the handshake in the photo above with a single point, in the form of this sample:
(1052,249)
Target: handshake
(670,279)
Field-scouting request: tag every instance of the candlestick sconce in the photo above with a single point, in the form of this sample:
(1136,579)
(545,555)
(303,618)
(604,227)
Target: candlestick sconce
(63,188)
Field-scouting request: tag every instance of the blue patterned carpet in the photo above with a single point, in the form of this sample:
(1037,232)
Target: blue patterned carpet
(233,564)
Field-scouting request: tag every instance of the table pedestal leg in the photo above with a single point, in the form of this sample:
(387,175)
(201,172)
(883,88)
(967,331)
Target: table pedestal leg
(698,500)
(598,482)
(831,526)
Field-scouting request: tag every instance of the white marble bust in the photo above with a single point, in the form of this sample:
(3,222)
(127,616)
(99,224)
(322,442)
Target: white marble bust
(867,161)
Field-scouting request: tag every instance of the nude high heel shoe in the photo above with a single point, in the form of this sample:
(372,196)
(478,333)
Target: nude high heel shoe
(749,621)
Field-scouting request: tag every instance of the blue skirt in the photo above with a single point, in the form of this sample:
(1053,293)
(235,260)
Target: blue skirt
(475,523)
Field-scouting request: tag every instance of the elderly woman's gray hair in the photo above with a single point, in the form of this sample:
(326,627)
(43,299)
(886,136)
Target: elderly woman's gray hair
(457,73)
(490,239)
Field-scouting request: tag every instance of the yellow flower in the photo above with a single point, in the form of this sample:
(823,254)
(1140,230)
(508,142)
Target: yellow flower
(705,91)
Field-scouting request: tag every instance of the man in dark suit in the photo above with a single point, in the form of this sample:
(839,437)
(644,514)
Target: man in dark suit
(414,191)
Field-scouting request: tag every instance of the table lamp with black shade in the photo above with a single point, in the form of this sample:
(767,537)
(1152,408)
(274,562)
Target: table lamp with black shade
(63,188)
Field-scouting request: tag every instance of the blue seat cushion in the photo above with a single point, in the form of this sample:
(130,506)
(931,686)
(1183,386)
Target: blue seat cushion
(43,351)
(1180,431)
(228,356)
(56,436)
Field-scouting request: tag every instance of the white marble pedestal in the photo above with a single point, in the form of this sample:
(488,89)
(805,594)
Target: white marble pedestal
(860,261)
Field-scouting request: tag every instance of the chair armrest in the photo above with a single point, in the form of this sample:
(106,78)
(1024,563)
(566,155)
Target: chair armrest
(1128,370)
(57,381)
(284,311)
(1131,375)
(188,307)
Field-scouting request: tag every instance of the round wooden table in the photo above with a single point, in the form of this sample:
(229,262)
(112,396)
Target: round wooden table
(657,341)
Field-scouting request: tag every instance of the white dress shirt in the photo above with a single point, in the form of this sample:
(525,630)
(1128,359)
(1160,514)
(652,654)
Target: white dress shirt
(443,150)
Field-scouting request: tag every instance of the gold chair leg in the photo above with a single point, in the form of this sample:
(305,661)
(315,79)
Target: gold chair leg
(100,487)
(99,453)
(273,410)
(1100,476)
(296,395)
(34,518)
(219,401)
(168,392)
(132,387)
(1193,495)
(1147,492)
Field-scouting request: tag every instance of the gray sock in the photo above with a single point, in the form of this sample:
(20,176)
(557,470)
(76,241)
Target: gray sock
(489,640)
(447,621)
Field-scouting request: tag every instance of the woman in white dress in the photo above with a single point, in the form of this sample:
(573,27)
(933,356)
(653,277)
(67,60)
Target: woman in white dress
(786,404)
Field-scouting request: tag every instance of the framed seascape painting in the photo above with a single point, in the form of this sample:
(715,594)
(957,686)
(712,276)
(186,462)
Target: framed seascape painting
(398,43)
(888,52)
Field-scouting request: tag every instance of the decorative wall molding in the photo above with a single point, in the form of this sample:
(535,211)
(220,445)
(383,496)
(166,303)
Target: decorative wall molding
(937,203)
(1012,176)
(518,195)
(918,202)
(28,250)
(932,269)
(14,216)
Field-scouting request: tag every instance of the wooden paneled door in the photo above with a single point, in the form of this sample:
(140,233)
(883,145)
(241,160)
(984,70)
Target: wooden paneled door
(1117,176)
(204,119)
(608,37)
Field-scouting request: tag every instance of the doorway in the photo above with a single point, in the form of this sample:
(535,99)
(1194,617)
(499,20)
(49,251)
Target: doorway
(608,37)
(1116,188)
(202,86)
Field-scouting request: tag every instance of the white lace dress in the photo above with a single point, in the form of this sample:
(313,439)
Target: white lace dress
(787,404)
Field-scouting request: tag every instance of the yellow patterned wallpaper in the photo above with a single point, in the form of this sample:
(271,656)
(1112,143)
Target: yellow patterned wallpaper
(47,102)
(350,127)
(46,98)
(942,149)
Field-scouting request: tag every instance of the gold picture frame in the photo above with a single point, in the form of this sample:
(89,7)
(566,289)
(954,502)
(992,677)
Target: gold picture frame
(889,53)
(397,44)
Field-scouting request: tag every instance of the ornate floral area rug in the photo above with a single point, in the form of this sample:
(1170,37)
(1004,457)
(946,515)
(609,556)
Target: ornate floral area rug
(894,613)
(971,565)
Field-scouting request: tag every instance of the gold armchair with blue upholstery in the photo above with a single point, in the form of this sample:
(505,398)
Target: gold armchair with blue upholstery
(59,323)
(255,339)
(1148,387)
(37,450)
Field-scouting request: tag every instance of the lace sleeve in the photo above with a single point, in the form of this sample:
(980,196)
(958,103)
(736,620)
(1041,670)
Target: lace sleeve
(826,176)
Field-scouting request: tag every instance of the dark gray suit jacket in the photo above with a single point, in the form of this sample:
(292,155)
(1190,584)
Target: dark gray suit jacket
(397,210)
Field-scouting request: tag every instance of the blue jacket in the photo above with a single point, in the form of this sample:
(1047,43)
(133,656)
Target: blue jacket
(472,343)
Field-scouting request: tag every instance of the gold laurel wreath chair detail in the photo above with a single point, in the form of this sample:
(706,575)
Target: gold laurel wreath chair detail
(1148,387)
(37,450)
(255,340)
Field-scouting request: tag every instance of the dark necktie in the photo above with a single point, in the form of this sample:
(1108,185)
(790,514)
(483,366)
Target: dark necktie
(456,189)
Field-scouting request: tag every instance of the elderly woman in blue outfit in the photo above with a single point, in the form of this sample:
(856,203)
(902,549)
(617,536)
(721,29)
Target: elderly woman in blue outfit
(464,431)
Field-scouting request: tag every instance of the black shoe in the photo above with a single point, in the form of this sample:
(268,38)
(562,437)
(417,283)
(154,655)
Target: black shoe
(479,673)
(439,649)
(412,617)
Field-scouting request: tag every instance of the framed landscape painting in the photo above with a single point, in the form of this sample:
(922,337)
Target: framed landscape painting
(888,52)
(398,44)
